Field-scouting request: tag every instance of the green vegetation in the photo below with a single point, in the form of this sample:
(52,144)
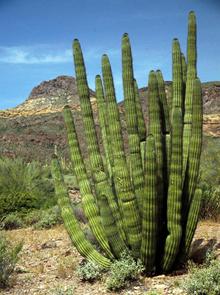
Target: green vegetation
(24,186)
(48,218)
(89,271)
(8,259)
(11,221)
(204,280)
(122,271)
(39,219)
(210,178)
(145,199)
(63,291)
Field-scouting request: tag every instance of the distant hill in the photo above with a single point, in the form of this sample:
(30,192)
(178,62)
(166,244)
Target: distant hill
(31,129)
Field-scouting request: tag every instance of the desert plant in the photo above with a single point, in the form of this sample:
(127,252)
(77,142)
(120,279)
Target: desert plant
(210,207)
(210,178)
(89,271)
(205,280)
(63,291)
(24,186)
(48,218)
(122,271)
(146,199)
(8,259)
(11,221)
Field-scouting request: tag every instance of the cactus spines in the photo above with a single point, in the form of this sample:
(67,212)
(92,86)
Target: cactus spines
(141,196)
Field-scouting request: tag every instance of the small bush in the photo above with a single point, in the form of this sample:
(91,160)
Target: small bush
(8,260)
(205,280)
(49,218)
(89,271)
(122,271)
(63,291)
(32,217)
(11,221)
(210,208)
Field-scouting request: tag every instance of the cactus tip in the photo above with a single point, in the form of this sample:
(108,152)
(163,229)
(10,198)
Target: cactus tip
(192,12)
(125,35)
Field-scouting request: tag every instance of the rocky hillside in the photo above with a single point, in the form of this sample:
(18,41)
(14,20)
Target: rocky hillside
(49,97)
(32,129)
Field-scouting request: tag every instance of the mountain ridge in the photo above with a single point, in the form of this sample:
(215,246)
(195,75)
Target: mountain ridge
(31,129)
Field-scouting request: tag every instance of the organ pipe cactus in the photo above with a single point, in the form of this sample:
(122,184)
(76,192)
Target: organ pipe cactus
(142,196)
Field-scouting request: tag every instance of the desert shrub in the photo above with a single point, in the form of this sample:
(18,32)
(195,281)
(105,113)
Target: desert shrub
(210,178)
(210,207)
(122,271)
(32,217)
(49,218)
(8,259)
(70,181)
(11,221)
(205,280)
(24,186)
(210,161)
(89,271)
(63,291)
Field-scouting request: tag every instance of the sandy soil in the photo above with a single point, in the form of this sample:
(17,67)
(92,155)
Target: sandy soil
(48,261)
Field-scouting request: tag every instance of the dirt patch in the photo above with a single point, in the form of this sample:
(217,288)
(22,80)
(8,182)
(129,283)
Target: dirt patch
(48,261)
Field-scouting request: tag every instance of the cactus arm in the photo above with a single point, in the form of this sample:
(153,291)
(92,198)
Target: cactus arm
(177,75)
(140,115)
(168,156)
(196,139)
(126,197)
(95,158)
(103,122)
(131,121)
(116,242)
(150,208)
(191,75)
(77,236)
(155,130)
(192,221)
(184,68)
(163,102)
(86,109)
(191,206)
(89,204)
(174,200)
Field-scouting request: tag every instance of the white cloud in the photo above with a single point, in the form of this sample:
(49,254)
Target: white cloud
(41,54)
(34,55)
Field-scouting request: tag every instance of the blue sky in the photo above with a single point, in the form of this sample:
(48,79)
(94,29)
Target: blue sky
(36,39)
